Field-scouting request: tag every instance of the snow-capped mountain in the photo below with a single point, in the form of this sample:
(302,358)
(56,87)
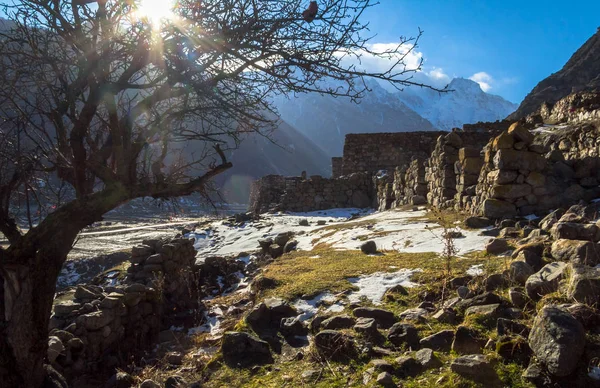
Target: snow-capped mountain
(466,104)
(326,120)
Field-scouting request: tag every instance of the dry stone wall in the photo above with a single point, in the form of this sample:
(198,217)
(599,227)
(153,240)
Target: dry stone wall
(385,151)
(336,166)
(99,327)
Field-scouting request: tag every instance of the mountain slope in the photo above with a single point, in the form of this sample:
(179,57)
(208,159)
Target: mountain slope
(326,120)
(580,73)
(289,153)
(466,104)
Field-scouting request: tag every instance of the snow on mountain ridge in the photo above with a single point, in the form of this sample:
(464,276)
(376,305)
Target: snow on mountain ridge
(466,103)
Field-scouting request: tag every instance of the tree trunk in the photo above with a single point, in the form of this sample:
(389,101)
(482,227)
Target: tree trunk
(26,297)
(29,270)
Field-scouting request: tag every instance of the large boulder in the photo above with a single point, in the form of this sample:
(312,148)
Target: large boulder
(546,280)
(576,251)
(338,322)
(557,340)
(575,231)
(267,316)
(243,350)
(584,284)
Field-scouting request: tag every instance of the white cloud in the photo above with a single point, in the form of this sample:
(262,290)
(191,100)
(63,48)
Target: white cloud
(484,80)
(429,75)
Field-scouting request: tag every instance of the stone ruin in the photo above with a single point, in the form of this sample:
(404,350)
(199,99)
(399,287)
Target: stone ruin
(98,327)
(498,170)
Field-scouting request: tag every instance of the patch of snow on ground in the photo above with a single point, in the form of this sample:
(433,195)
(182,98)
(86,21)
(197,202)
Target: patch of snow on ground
(68,276)
(375,285)
(223,239)
(308,308)
(402,231)
(211,325)
(475,270)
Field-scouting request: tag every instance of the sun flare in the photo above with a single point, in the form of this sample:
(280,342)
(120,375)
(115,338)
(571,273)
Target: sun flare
(155,11)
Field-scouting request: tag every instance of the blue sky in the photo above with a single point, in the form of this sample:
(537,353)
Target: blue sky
(511,44)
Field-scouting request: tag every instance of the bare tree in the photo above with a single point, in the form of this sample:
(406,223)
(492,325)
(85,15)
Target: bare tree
(98,99)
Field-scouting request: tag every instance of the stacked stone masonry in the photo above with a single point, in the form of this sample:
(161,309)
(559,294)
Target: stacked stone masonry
(499,169)
(98,327)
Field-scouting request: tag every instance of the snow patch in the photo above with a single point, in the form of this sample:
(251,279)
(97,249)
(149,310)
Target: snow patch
(308,308)
(475,270)
(375,285)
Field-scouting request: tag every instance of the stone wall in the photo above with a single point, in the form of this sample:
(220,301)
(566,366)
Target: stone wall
(266,192)
(317,193)
(98,327)
(336,166)
(385,151)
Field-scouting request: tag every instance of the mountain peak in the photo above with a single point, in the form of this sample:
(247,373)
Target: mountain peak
(465,84)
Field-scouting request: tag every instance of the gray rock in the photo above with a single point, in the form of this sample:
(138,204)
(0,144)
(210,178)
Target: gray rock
(368,247)
(55,348)
(576,251)
(86,293)
(367,327)
(520,271)
(385,380)
(427,359)
(477,222)
(243,349)
(384,318)
(338,322)
(497,246)
(404,334)
(488,310)
(290,246)
(546,280)
(382,366)
(584,284)
(558,340)
(575,231)
(464,292)
(445,315)
(407,366)
(414,315)
(440,341)
(486,298)
(95,320)
(518,297)
(468,341)
(303,222)
(474,366)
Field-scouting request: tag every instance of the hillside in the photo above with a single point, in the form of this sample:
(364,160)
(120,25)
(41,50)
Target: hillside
(466,104)
(580,73)
(326,120)
(288,153)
